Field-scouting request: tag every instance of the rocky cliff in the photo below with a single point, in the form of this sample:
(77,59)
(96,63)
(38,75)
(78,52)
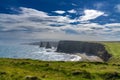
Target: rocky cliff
(89,48)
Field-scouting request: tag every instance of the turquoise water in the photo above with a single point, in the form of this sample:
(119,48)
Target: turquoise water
(34,52)
(17,51)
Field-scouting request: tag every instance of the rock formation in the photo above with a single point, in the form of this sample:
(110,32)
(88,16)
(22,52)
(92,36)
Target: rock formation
(89,48)
(48,45)
(41,44)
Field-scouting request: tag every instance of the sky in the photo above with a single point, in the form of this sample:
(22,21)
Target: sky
(84,20)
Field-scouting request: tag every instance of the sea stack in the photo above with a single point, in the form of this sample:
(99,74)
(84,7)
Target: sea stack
(48,45)
(41,44)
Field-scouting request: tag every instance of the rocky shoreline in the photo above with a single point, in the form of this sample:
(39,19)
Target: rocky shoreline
(92,51)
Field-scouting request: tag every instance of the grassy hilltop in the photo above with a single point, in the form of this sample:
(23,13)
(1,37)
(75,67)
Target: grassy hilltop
(26,69)
(114,49)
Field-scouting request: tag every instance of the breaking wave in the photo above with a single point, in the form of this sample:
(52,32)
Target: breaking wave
(51,55)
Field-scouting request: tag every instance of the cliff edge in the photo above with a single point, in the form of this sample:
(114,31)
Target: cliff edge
(89,48)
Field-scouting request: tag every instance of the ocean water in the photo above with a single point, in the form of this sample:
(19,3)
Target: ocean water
(34,52)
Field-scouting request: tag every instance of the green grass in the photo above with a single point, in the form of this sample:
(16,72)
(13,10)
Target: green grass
(25,69)
(114,49)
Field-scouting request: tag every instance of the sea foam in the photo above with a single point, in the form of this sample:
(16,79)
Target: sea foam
(51,55)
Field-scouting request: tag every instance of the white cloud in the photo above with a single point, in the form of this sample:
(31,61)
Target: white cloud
(72,11)
(113,25)
(91,14)
(34,24)
(31,18)
(33,12)
(59,12)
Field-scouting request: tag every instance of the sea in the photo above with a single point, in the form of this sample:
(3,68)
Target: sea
(20,51)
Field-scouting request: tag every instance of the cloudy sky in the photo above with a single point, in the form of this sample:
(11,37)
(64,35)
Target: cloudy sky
(59,19)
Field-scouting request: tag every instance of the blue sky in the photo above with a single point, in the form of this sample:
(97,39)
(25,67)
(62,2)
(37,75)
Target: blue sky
(60,19)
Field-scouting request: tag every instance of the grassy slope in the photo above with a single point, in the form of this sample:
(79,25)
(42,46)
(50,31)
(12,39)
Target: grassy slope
(114,49)
(21,69)
(12,69)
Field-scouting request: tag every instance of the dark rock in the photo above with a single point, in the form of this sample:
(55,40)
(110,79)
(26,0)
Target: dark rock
(44,43)
(90,48)
(48,45)
(41,44)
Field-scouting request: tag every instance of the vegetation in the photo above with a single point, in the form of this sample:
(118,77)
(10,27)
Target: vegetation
(26,69)
(114,49)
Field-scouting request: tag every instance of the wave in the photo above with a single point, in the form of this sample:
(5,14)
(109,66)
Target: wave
(51,55)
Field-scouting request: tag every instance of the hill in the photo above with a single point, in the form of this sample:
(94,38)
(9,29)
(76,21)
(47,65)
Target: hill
(25,69)
(114,49)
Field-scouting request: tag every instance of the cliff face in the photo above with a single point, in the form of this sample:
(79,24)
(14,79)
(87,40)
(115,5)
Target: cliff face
(89,48)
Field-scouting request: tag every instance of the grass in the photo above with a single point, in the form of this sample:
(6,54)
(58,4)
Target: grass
(114,49)
(25,69)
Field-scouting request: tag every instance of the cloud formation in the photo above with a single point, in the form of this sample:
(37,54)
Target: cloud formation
(71,11)
(91,14)
(59,12)
(31,23)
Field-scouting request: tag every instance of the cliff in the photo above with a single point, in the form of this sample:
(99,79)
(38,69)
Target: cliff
(89,48)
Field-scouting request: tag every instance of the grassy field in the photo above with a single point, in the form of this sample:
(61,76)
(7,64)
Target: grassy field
(26,69)
(114,49)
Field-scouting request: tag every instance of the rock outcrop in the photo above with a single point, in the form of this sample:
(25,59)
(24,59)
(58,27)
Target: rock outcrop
(89,48)
(48,44)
